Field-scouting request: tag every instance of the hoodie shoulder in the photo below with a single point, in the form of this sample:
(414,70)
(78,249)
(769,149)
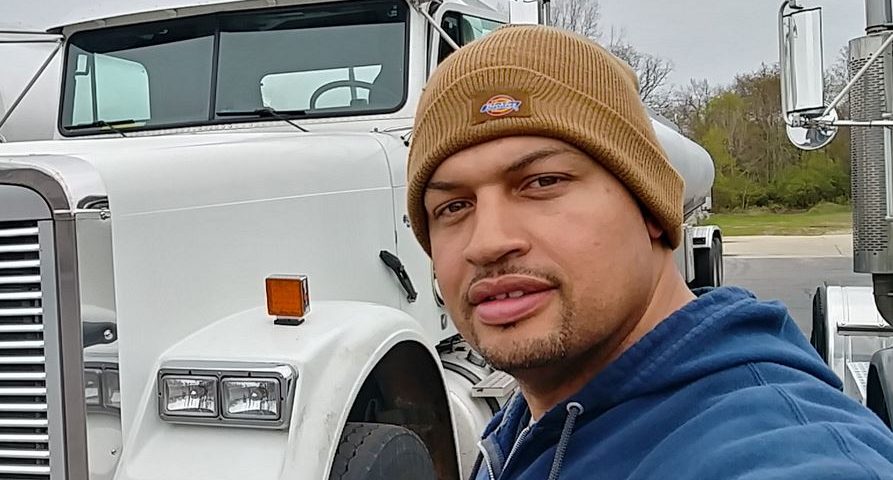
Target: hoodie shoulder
(797,428)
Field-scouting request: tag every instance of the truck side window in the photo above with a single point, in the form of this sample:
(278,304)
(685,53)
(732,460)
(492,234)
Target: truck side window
(463,29)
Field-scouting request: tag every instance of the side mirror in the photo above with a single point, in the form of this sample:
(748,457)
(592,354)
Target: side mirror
(524,11)
(802,77)
(83,66)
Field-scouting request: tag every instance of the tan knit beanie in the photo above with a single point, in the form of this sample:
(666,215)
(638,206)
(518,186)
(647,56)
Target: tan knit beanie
(542,81)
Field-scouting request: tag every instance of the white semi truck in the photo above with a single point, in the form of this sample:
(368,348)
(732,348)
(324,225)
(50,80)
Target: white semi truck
(851,326)
(200,154)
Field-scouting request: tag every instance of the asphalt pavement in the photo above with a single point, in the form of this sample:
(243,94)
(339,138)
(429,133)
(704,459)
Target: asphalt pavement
(790,268)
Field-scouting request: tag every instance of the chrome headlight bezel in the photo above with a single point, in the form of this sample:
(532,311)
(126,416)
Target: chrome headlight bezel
(285,375)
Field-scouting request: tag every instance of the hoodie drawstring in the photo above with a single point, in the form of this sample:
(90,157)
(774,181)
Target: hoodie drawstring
(574,409)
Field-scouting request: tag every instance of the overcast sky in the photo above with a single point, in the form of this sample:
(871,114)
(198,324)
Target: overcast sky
(713,39)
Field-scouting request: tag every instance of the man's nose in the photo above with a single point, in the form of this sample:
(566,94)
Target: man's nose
(497,234)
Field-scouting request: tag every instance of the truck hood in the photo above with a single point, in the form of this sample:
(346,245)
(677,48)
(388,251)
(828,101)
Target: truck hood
(152,174)
(199,221)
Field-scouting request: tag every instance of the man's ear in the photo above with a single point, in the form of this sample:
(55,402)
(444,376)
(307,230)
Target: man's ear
(655,231)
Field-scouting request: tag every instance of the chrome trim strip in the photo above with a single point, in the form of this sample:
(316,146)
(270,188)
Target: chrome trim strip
(71,351)
(25,360)
(21,312)
(22,391)
(23,376)
(18,248)
(24,469)
(20,296)
(18,232)
(55,413)
(22,328)
(22,407)
(21,344)
(24,423)
(19,279)
(23,438)
(9,265)
(25,454)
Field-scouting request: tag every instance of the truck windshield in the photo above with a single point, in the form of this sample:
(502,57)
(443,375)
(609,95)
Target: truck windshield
(327,60)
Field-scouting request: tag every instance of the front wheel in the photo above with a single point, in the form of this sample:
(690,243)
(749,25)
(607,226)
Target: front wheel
(708,265)
(375,451)
(819,335)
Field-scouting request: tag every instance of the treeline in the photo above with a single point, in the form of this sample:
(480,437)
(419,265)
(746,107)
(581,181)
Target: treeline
(740,125)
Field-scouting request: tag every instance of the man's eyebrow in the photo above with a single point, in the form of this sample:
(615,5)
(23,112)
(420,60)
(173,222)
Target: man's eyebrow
(443,186)
(520,164)
(533,157)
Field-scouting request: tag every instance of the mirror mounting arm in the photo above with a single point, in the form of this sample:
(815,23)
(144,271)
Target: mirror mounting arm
(433,23)
(858,76)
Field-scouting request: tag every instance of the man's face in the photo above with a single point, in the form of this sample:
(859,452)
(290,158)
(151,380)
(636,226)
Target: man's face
(541,254)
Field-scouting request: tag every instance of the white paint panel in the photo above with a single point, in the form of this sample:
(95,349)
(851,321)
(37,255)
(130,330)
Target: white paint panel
(332,353)
(197,228)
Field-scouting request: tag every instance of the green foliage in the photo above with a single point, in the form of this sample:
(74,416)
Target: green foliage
(822,219)
(815,179)
(741,127)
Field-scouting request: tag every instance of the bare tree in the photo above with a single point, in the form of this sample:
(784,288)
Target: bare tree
(686,105)
(581,16)
(653,71)
(836,78)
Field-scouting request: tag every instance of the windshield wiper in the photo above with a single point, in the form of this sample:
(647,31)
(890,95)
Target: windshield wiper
(267,112)
(113,125)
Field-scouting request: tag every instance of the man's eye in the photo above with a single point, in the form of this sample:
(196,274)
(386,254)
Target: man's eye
(452,208)
(545,181)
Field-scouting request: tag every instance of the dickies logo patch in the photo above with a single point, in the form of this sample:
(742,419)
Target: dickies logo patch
(501,105)
(494,105)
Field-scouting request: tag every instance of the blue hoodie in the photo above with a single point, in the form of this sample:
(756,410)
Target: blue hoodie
(726,387)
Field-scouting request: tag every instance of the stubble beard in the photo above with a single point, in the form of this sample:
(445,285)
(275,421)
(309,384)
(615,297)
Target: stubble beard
(531,353)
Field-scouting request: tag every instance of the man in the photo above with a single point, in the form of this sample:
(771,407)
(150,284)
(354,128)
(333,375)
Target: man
(550,212)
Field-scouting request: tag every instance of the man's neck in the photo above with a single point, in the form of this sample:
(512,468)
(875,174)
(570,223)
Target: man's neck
(545,387)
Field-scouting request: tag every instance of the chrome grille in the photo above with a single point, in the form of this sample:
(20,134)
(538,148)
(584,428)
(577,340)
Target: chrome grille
(24,437)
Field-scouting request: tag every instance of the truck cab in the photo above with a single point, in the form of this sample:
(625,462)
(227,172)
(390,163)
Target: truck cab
(198,154)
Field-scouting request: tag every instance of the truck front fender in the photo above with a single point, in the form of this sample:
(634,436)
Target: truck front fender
(333,352)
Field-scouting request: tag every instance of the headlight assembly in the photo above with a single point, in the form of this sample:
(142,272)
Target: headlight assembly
(102,392)
(256,395)
(251,398)
(189,396)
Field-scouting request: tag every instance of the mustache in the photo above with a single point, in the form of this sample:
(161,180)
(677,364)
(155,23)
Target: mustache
(508,269)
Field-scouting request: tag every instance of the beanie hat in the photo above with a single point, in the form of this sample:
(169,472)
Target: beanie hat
(541,81)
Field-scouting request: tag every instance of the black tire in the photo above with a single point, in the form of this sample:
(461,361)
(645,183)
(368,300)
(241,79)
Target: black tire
(716,261)
(708,265)
(819,335)
(375,451)
(875,399)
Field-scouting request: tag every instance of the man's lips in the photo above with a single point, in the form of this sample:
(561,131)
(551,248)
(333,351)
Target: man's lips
(508,299)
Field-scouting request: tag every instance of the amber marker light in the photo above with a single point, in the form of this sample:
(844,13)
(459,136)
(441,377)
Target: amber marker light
(288,298)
